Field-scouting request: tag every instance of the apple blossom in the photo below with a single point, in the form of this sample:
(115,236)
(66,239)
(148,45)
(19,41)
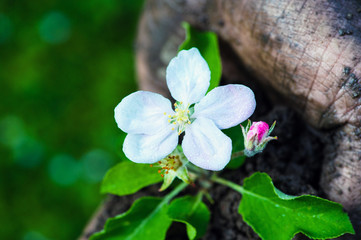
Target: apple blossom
(153,127)
(172,166)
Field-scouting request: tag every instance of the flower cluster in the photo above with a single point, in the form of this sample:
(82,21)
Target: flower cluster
(153,127)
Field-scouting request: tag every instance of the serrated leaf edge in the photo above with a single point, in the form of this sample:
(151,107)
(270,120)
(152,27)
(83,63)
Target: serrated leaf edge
(291,199)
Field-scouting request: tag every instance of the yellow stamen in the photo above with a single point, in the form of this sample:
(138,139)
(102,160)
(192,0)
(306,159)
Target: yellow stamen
(180,118)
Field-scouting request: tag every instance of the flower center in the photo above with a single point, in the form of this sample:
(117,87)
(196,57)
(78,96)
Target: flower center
(181,118)
(170,163)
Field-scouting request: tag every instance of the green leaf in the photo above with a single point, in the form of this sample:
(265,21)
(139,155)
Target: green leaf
(235,133)
(207,44)
(272,213)
(191,211)
(146,219)
(128,177)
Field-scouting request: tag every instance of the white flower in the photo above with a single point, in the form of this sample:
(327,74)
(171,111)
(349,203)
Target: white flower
(153,126)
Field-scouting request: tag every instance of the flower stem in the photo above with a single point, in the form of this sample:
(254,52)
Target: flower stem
(237,154)
(209,197)
(175,192)
(227,183)
(199,198)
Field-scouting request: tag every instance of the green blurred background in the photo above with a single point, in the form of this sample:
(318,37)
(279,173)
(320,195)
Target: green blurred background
(64,66)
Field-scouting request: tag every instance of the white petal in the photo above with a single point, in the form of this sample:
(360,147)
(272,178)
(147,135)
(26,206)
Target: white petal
(141,148)
(143,113)
(206,146)
(227,105)
(188,76)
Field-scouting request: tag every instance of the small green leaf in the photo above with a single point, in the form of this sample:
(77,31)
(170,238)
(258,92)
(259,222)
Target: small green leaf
(207,44)
(191,211)
(128,177)
(146,219)
(272,213)
(235,133)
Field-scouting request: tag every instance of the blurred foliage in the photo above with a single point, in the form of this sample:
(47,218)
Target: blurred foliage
(64,66)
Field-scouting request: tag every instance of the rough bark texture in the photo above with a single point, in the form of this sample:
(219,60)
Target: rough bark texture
(304,54)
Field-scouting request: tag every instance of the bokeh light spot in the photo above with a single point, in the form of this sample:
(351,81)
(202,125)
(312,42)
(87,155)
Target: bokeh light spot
(28,152)
(6,28)
(55,28)
(12,131)
(64,169)
(95,165)
(33,235)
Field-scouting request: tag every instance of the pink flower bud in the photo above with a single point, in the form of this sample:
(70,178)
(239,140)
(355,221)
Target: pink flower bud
(256,137)
(259,130)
